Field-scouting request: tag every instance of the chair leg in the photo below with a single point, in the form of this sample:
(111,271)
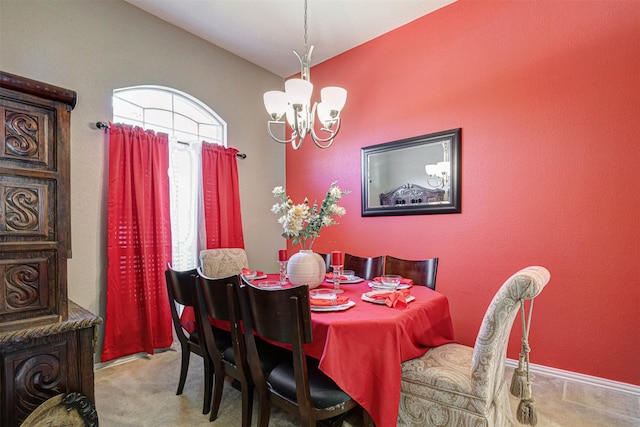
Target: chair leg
(366,419)
(208,384)
(247,403)
(184,367)
(264,411)
(217,391)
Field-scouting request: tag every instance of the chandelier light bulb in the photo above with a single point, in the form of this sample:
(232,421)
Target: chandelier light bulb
(275,101)
(335,97)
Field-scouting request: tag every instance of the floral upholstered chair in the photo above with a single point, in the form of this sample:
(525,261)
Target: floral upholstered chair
(223,262)
(456,385)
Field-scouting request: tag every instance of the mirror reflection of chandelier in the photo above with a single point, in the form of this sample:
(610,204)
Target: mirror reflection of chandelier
(438,174)
(295,104)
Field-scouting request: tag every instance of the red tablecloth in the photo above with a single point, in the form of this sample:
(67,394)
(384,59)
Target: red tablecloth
(362,348)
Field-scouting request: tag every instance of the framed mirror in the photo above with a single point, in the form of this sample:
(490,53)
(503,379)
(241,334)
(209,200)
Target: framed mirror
(413,176)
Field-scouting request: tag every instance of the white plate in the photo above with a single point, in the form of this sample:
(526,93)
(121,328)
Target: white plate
(348,282)
(367,298)
(380,286)
(340,307)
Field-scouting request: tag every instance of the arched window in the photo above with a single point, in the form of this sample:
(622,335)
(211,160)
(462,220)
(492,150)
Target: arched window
(188,121)
(167,110)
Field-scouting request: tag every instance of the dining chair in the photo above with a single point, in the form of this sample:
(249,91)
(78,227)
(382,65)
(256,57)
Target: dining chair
(422,272)
(218,301)
(327,261)
(466,385)
(181,286)
(223,262)
(364,267)
(69,409)
(295,385)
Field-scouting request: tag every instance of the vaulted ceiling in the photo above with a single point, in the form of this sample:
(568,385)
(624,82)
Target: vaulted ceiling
(266,32)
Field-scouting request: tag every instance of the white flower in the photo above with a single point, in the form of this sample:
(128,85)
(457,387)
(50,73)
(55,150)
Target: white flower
(303,222)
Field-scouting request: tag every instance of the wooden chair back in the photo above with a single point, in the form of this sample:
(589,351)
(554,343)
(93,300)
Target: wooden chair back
(364,267)
(284,316)
(218,299)
(181,287)
(279,315)
(422,272)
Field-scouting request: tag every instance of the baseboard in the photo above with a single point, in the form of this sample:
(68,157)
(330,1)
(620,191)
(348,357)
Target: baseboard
(126,359)
(583,378)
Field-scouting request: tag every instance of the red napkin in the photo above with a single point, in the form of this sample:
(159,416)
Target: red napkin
(327,302)
(249,272)
(395,299)
(329,276)
(403,281)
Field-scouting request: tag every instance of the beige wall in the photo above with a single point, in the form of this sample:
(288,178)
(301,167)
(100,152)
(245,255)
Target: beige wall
(93,47)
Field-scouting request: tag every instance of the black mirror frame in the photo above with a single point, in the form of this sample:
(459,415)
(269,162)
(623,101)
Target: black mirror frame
(454,202)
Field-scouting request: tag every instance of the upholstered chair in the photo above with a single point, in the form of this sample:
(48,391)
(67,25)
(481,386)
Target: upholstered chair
(456,385)
(68,410)
(223,262)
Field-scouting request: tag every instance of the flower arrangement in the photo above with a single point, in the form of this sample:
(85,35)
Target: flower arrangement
(303,222)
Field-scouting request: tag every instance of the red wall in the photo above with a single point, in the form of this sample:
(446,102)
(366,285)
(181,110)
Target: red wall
(548,98)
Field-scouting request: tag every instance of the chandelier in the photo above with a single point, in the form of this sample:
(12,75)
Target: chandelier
(295,104)
(438,173)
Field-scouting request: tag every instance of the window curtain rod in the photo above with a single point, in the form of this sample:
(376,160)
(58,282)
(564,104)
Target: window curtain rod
(103,125)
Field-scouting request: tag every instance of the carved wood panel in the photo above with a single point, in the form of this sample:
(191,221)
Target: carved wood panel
(26,208)
(25,135)
(34,200)
(26,286)
(36,375)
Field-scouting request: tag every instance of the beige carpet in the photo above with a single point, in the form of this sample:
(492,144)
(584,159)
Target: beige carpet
(141,392)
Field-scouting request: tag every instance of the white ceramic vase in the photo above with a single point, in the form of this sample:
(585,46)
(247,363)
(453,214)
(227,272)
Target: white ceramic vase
(306,268)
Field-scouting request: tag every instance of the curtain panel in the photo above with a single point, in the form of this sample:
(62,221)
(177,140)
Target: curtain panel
(138,243)
(221,197)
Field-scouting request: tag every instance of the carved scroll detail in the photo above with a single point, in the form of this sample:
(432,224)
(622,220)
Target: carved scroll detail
(22,286)
(21,138)
(21,206)
(36,380)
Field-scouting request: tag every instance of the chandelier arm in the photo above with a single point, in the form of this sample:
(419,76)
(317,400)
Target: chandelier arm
(275,138)
(332,134)
(296,143)
(440,182)
(318,141)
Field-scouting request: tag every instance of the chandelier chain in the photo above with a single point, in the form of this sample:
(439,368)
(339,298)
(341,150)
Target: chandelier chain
(306,43)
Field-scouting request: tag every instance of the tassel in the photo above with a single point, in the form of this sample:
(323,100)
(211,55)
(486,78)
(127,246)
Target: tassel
(519,380)
(527,412)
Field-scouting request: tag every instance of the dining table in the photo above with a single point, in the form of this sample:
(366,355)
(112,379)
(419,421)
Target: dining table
(362,347)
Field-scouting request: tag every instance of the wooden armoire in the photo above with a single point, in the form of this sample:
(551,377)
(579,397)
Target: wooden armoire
(46,341)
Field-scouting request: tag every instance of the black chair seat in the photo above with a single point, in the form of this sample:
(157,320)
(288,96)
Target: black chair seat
(222,339)
(324,392)
(270,355)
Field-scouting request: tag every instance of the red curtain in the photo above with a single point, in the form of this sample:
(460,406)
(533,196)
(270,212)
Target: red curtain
(138,318)
(221,197)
